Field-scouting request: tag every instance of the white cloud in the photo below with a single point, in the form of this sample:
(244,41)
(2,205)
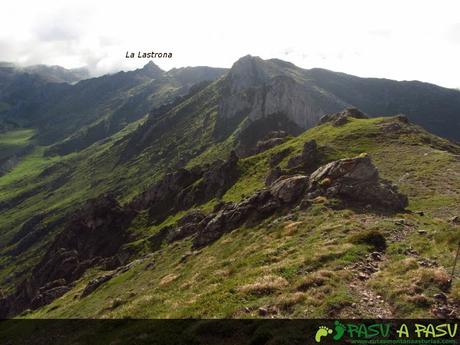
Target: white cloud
(392,39)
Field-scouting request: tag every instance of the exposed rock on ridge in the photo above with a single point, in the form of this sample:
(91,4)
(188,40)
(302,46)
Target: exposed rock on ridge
(354,180)
(340,118)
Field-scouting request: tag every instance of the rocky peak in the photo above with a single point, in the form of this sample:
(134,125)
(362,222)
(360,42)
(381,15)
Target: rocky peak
(151,70)
(251,71)
(257,89)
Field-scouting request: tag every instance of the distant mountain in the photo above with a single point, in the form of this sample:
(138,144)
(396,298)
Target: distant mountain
(259,96)
(257,88)
(58,74)
(93,108)
(53,74)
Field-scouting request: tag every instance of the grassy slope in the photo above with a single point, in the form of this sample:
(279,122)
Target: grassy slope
(299,263)
(72,179)
(13,141)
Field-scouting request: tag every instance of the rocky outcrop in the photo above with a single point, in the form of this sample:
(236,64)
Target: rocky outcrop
(268,144)
(308,158)
(352,180)
(355,179)
(185,188)
(229,216)
(233,215)
(161,198)
(305,162)
(220,176)
(289,189)
(341,118)
(95,231)
(95,283)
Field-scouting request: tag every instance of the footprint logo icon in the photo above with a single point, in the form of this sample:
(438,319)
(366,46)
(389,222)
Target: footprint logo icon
(339,330)
(322,332)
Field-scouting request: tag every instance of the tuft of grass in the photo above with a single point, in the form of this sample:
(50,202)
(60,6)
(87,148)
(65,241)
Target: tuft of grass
(265,285)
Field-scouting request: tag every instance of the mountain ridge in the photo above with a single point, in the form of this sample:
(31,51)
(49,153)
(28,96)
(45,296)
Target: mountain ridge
(157,151)
(378,135)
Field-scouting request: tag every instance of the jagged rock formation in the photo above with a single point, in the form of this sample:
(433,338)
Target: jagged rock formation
(353,180)
(187,187)
(95,283)
(341,118)
(307,161)
(95,232)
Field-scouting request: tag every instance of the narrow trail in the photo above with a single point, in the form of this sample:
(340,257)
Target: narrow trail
(369,303)
(372,304)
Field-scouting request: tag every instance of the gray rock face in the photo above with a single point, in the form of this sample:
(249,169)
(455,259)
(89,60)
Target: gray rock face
(356,179)
(289,189)
(257,88)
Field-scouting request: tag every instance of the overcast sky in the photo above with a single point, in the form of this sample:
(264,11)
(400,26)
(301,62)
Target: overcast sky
(400,39)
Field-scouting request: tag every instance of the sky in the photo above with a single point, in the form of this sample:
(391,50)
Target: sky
(402,40)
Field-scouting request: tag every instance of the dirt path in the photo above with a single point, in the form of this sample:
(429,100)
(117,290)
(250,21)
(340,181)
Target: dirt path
(369,303)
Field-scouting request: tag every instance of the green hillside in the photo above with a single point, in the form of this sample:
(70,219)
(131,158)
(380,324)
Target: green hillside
(190,193)
(304,262)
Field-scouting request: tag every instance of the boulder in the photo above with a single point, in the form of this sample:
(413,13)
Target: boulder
(289,189)
(356,179)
